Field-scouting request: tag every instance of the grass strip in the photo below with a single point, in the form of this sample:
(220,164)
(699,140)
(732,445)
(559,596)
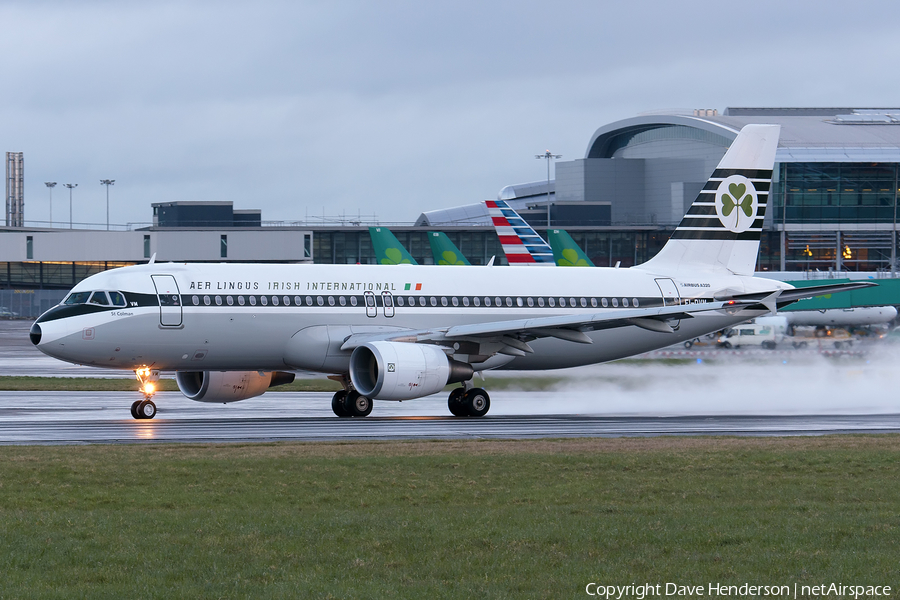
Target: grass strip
(477,519)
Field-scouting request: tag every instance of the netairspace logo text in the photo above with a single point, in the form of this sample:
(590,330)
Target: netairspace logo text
(678,590)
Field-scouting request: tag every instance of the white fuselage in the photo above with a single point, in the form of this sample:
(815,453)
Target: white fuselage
(231,317)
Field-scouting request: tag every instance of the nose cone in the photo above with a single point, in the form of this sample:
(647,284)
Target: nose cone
(35,334)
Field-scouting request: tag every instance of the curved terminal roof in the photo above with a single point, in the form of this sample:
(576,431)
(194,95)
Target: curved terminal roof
(807,134)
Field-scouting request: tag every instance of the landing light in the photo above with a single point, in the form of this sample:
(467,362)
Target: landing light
(149,388)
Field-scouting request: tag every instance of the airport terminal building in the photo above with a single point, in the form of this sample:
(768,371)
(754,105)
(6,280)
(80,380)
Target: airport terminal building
(833,206)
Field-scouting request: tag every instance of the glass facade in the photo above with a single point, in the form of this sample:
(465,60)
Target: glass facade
(852,208)
(50,275)
(355,246)
(836,193)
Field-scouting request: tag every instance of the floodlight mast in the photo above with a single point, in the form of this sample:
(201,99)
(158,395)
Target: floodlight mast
(107,183)
(71,186)
(50,185)
(548,156)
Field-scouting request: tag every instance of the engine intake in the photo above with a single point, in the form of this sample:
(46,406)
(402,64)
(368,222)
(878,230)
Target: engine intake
(402,371)
(228,386)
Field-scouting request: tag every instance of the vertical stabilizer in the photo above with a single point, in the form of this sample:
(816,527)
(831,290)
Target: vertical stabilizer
(566,253)
(521,243)
(445,252)
(388,249)
(722,228)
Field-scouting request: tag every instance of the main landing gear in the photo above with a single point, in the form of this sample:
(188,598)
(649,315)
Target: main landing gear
(145,409)
(351,404)
(471,402)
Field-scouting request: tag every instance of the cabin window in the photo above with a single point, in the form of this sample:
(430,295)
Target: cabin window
(229,300)
(634,301)
(465,300)
(353,300)
(530,301)
(218,300)
(241,300)
(206,300)
(615,302)
(263,300)
(604,302)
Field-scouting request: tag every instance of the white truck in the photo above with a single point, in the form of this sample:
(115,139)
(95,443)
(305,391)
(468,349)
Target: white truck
(765,335)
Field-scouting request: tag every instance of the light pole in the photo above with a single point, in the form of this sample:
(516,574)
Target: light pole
(50,185)
(71,186)
(107,183)
(549,156)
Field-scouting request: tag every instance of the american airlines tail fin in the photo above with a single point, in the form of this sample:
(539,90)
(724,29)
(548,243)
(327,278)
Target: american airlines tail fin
(566,253)
(721,230)
(521,244)
(445,252)
(388,249)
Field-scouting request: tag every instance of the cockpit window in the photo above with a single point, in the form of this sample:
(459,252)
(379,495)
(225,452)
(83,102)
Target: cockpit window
(117,299)
(99,298)
(77,298)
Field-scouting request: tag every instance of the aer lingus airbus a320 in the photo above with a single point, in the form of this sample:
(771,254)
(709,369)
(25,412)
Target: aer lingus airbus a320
(231,331)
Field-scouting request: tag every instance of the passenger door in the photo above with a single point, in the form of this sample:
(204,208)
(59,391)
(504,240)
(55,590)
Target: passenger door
(670,297)
(169,300)
(387,301)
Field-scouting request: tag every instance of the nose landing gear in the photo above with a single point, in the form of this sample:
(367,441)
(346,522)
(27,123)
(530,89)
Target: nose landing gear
(145,409)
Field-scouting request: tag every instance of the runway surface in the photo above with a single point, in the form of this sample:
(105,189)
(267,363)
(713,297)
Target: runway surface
(73,418)
(738,393)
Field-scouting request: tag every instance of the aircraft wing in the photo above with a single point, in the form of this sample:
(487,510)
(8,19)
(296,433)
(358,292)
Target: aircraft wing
(566,327)
(782,298)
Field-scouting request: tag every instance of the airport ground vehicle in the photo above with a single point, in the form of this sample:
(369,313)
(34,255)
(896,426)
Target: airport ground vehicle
(751,334)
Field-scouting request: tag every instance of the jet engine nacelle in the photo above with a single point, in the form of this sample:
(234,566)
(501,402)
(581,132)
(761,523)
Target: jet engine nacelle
(402,371)
(228,386)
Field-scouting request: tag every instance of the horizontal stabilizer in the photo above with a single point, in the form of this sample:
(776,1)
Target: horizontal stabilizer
(795,294)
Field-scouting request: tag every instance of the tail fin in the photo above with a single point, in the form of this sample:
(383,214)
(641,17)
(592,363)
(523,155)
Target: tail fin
(445,252)
(388,249)
(521,244)
(721,230)
(566,252)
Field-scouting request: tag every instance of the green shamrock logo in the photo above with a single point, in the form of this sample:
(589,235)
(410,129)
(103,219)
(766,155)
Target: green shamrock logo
(448,257)
(394,257)
(570,259)
(736,199)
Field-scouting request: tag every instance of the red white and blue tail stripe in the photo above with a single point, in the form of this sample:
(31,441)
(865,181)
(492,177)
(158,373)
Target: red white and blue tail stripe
(521,244)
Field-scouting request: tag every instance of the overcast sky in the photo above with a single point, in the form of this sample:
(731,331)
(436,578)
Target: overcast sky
(388,108)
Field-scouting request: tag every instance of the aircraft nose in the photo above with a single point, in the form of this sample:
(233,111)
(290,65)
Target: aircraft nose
(35,334)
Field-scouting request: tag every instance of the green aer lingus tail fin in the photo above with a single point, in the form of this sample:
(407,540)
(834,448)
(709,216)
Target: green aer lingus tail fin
(566,253)
(388,249)
(445,252)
